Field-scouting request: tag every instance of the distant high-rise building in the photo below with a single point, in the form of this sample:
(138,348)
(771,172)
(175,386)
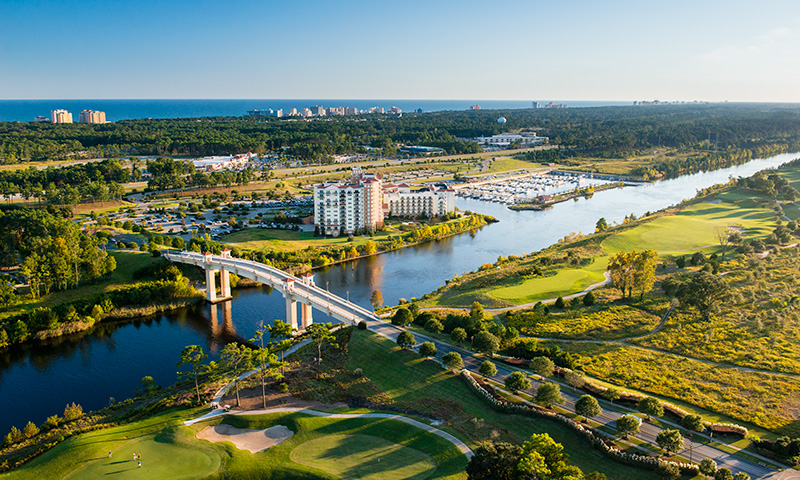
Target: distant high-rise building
(306,112)
(92,116)
(40,118)
(535,105)
(395,110)
(351,111)
(475,107)
(293,112)
(279,112)
(60,116)
(318,110)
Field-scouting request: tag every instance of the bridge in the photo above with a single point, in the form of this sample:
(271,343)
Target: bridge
(295,290)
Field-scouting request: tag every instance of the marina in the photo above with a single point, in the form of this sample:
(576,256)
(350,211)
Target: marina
(535,187)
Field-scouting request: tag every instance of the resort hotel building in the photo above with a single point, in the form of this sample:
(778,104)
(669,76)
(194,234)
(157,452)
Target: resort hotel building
(360,203)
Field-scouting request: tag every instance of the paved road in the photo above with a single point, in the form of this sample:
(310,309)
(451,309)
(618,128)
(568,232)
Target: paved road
(697,448)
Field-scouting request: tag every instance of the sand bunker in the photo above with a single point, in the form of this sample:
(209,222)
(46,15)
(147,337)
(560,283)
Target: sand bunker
(245,438)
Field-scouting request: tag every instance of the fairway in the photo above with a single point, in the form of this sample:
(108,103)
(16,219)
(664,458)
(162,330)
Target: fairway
(695,226)
(564,282)
(364,457)
(159,458)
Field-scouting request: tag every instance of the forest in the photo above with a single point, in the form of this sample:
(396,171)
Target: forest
(599,132)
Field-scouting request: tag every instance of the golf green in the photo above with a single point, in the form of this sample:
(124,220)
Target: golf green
(159,459)
(364,457)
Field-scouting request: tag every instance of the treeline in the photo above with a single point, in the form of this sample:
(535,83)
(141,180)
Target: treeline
(52,251)
(78,315)
(599,132)
(94,181)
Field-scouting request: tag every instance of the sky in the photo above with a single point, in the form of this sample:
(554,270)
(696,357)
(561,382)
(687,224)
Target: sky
(406,49)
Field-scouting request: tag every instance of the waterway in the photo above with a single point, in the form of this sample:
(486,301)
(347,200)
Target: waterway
(90,369)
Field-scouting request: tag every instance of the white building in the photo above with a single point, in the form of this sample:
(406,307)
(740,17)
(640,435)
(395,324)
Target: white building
(92,116)
(349,206)
(503,140)
(60,116)
(431,200)
(212,164)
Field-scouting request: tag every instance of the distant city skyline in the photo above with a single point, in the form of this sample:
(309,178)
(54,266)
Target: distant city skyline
(525,50)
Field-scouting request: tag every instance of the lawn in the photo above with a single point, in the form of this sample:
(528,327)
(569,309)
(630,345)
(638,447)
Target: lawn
(564,282)
(364,457)
(505,164)
(289,240)
(414,382)
(169,450)
(695,226)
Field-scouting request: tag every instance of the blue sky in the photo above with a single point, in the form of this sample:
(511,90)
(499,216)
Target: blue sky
(570,50)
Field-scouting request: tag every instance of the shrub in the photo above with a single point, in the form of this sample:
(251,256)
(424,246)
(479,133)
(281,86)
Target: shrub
(358,372)
(668,471)
(723,474)
(362,325)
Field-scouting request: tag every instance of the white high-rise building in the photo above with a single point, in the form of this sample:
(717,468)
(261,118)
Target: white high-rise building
(431,201)
(92,116)
(350,206)
(60,116)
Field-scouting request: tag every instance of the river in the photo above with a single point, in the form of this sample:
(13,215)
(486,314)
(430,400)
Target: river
(110,361)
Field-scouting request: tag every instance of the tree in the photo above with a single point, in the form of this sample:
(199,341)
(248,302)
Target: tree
(559,303)
(633,271)
(487,369)
(433,325)
(693,422)
(703,291)
(280,333)
(587,406)
(574,379)
(708,467)
(723,474)
(194,357)
(611,394)
(741,476)
(517,381)
(452,360)
(402,317)
(485,342)
(458,334)
(494,461)
(601,225)
(237,360)
(370,248)
(723,235)
(476,313)
(30,430)
(406,340)
(6,293)
(548,394)
(670,440)
(589,299)
(668,471)
(628,425)
(427,349)
(265,360)
(651,407)
(543,458)
(543,366)
(321,334)
(376,299)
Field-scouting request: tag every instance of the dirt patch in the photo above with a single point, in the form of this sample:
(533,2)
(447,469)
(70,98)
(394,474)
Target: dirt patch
(715,200)
(251,400)
(245,438)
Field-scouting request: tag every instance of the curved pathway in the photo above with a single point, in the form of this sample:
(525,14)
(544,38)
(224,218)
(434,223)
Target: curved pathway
(450,438)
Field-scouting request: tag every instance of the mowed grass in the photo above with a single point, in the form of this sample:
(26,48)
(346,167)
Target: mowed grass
(364,457)
(406,377)
(168,448)
(288,240)
(695,226)
(414,448)
(565,282)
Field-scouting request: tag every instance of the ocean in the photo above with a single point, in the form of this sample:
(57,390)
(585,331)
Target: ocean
(27,110)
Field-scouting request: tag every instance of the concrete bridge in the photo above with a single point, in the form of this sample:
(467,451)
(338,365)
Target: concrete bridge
(295,290)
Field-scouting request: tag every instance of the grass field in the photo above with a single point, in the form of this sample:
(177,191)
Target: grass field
(565,282)
(412,381)
(288,240)
(364,457)
(169,450)
(505,164)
